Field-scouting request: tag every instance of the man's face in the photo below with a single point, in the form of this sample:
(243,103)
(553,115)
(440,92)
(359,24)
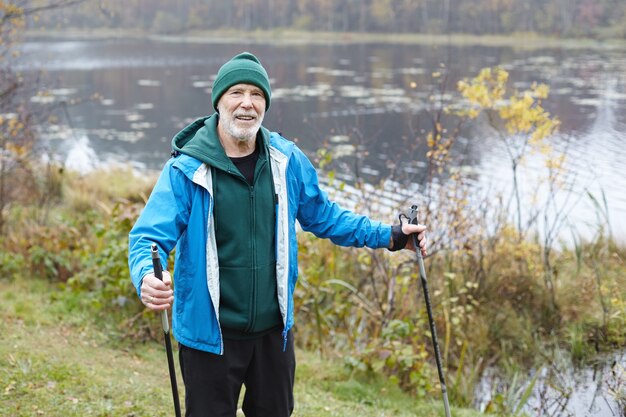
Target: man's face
(241,109)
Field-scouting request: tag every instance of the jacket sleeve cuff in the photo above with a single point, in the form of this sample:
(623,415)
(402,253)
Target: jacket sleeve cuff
(385,236)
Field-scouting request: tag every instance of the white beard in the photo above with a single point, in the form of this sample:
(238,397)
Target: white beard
(241,133)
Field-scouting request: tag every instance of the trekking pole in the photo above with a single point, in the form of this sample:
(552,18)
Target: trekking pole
(412,216)
(158,272)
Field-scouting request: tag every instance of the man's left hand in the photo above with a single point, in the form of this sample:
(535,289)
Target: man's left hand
(420,229)
(401,237)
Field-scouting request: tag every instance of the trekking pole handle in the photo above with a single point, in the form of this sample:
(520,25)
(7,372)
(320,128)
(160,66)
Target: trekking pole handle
(412,216)
(156,262)
(158,272)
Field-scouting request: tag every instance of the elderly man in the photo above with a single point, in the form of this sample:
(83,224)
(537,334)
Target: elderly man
(228,200)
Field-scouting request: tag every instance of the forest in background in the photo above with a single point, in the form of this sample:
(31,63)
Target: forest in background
(563,18)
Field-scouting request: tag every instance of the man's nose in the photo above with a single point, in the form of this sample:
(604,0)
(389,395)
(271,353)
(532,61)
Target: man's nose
(246,101)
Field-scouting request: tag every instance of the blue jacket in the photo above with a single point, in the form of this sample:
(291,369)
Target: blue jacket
(179,214)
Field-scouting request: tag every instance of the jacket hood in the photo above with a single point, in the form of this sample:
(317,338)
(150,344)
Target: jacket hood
(200,140)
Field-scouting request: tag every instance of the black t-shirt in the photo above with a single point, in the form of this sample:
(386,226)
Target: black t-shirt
(247,164)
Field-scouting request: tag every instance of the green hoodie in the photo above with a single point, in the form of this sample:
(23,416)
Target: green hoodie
(244,216)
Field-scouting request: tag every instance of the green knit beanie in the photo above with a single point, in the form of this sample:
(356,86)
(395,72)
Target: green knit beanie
(244,68)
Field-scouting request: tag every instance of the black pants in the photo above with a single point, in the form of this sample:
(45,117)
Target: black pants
(213,382)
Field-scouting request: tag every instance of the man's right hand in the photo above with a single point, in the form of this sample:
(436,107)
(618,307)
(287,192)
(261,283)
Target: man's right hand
(157,295)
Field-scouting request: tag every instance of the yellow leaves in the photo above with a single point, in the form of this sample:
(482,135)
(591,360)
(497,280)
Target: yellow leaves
(430,140)
(540,91)
(11,136)
(13,21)
(485,91)
(12,126)
(473,113)
(502,76)
(556,164)
(521,113)
(438,148)
(18,22)
(9,9)
(17,152)
(544,128)
(12,14)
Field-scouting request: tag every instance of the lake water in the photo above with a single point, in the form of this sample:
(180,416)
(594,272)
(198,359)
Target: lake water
(370,100)
(563,390)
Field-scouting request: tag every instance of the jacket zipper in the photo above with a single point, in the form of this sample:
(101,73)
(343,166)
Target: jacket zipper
(253,295)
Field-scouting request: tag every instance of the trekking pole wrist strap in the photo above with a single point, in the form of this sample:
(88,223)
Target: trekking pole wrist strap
(398,238)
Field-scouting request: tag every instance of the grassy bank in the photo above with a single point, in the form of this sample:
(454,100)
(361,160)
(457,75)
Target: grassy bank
(290,36)
(79,342)
(58,361)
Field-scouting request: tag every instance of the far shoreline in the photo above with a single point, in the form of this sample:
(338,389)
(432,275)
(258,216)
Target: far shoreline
(528,41)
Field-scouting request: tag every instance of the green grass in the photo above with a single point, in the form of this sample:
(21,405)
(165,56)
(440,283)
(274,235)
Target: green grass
(60,362)
(51,368)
